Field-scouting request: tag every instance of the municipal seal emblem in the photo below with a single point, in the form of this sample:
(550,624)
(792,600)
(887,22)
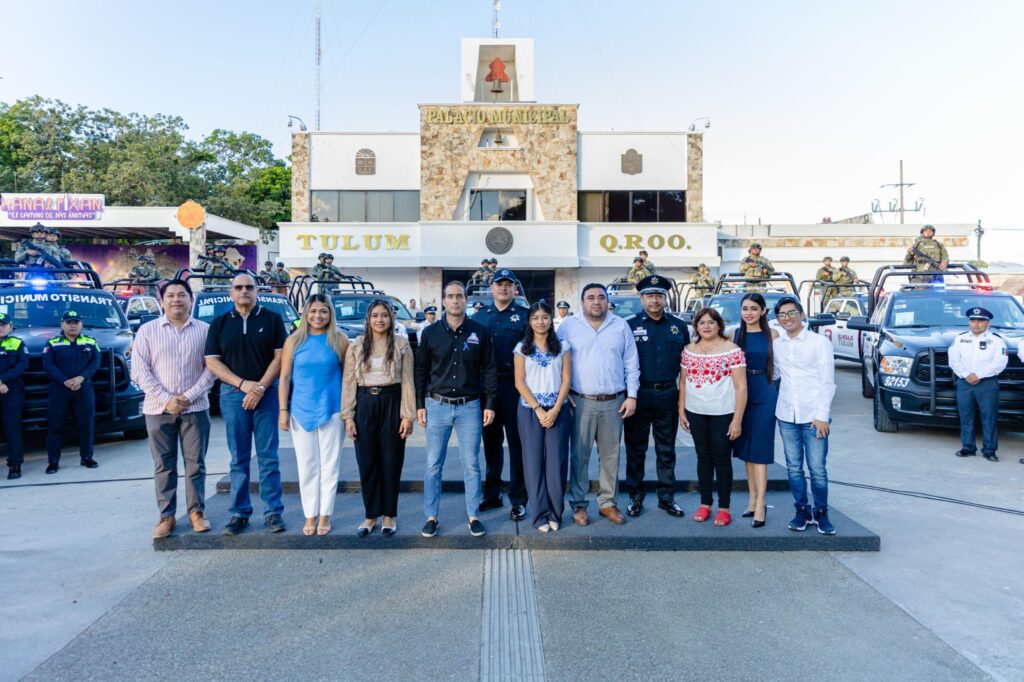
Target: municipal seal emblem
(499,240)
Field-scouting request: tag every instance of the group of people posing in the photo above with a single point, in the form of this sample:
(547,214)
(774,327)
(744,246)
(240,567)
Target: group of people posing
(504,376)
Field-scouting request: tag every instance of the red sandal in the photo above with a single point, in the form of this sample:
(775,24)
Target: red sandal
(723,518)
(702,514)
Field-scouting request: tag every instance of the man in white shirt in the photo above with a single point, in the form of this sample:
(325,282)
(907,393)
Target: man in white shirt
(605,381)
(562,314)
(977,357)
(803,361)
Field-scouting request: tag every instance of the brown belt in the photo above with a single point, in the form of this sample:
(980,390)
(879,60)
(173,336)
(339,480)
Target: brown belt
(604,397)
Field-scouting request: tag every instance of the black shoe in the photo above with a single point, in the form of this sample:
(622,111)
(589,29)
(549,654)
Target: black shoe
(518,512)
(990,456)
(429,528)
(759,524)
(15,471)
(52,468)
(635,506)
(89,463)
(363,531)
(1022,460)
(493,503)
(275,523)
(671,508)
(236,525)
(476,529)
(965,453)
(388,532)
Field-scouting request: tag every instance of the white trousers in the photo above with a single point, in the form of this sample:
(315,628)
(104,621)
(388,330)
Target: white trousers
(318,454)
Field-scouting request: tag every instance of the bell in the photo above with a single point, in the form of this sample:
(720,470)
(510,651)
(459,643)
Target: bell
(496,88)
(498,139)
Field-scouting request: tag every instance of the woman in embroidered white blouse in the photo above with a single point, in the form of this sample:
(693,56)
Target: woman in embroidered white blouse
(543,371)
(712,398)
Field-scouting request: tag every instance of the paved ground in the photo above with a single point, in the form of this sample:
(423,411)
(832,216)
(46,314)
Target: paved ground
(87,597)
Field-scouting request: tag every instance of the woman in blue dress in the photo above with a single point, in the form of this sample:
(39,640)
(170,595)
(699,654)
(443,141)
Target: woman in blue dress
(756,444)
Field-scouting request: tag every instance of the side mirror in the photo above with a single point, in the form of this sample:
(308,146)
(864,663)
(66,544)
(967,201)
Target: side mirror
(861,324)
(842,316)
(421,316)
(822,320)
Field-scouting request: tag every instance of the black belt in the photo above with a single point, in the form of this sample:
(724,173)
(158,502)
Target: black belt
(755,371)
(604,397)
(452,401)
(377,390)
(657,385)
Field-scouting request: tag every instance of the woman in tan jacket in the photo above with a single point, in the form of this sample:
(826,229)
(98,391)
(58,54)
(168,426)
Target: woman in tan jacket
(378,404)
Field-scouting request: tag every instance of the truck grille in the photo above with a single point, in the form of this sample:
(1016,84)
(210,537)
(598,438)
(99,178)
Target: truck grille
(113,372)
(1012,378)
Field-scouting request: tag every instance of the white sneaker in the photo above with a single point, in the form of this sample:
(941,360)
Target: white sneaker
(545,528)
(554,525)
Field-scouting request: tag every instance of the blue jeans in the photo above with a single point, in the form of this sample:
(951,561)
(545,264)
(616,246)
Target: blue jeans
(800,442)
(242,427)
(467,420)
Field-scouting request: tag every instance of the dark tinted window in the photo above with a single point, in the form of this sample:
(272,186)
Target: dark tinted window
(645,207)
(210,306)
(498,205)
(671,207)
(618,207)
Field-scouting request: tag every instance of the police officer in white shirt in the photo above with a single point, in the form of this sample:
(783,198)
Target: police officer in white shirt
(562,312)
(977,357)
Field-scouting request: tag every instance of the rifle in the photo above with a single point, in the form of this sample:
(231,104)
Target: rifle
(42,257)
(847,271)
(916,252)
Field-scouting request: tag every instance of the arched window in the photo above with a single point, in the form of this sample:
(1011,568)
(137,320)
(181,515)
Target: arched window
(366,162)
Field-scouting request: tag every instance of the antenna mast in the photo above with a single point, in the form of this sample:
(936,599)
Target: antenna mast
(495,22)
(316,124)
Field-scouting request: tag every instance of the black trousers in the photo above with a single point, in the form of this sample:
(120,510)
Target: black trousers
(504,427)
(83,403)
(714,455)
(380,452)
(12,406)
(657,410)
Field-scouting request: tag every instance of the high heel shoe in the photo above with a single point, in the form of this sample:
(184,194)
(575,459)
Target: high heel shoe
(748,514)
(760,524)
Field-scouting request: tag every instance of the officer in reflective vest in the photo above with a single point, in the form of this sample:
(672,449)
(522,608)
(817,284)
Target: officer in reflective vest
(13,363)
(70,359)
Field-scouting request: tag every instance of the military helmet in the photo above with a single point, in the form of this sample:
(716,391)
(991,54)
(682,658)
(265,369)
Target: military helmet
(328,256)
(927,227)
(141,257)
(38,227)
(827,258)
(268,262)
(220,248)
(755,245)
(280,263)
(844,259)
(702,265)
(52,229)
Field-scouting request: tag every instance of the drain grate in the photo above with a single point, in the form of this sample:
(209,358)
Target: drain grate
(512,648)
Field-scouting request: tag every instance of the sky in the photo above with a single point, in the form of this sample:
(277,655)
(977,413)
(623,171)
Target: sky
(812,104)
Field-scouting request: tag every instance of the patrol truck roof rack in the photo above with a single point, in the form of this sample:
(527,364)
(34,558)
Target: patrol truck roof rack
(976,280)
(302,287)
(827,286)
(79,275)
(736,282)
(211,282)
(621,286)
(688,290)
(482,289)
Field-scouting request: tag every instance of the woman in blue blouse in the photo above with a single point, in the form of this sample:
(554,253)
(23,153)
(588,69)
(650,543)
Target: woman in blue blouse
(543,372)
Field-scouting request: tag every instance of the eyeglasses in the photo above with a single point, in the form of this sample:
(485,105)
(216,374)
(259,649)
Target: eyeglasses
(243,287)
(788,315)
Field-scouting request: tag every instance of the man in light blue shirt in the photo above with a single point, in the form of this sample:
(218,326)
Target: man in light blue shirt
(605,379)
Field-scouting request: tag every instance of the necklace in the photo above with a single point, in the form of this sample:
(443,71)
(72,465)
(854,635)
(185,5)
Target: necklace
(704,350)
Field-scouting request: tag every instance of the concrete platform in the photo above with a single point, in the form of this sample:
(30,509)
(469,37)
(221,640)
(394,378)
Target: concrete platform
(451,481)
(653,531)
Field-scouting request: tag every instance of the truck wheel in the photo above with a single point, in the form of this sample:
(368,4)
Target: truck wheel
(136,434)
(883,423)
(866,389)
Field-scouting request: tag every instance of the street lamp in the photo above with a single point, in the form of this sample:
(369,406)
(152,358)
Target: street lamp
(302,126)
(707,123)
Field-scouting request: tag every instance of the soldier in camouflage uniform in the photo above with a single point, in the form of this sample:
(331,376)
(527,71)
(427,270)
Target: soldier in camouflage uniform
(846,275)
(29,251)
(702,280)
(157,275)
(143,273)
(219,266)
(756,266)
(282,278)
(267,274)
(827,274)
(325,270)
(53,239)
(648,263)
(638,271)
(927,254)
(482,274)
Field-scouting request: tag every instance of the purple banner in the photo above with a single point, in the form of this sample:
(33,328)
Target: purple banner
(114,262)
(52,206)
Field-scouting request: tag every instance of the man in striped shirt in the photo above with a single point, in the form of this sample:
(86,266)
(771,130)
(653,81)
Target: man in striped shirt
(169,365)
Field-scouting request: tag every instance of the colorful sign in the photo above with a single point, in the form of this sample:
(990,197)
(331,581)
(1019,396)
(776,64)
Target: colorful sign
(115,261)
(52,206)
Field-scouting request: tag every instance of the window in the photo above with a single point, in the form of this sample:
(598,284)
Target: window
(632,207)
(361,207)
(324,207)
(503,204)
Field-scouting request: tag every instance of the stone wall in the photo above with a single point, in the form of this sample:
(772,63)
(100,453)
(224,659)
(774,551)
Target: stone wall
(567,286)
(430,287)
(300,177)
(449,152)
(695,178)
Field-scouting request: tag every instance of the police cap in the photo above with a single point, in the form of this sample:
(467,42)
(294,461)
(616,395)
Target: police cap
(5,319)
(504,275)
(652,284)
(927,227)
(70,315)
(978,314)
(430,310)
(562,304)
(479,305)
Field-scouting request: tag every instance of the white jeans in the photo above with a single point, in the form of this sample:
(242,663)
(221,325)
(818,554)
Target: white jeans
(318,455)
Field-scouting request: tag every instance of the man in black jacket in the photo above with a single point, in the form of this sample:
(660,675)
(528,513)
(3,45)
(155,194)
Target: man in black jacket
(455,372)
(13,363)
(71,359)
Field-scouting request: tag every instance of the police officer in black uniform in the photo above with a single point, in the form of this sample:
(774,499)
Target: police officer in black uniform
(13,363)
(70,359)
(506,323)
(660,339)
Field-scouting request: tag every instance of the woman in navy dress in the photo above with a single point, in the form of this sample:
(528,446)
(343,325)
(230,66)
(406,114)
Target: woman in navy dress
(756,444)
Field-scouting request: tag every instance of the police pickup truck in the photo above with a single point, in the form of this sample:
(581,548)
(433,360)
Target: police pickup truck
(844,301)
(730,289)
(907,333)
(624,300)
(351,297)
(35,302)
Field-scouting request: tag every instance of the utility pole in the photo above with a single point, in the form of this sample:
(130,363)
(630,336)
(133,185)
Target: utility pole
(900,207)
(901,175)
(316,125)
(978,232)
(496,22)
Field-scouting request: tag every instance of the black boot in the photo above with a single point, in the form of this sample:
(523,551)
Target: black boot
(14,471)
